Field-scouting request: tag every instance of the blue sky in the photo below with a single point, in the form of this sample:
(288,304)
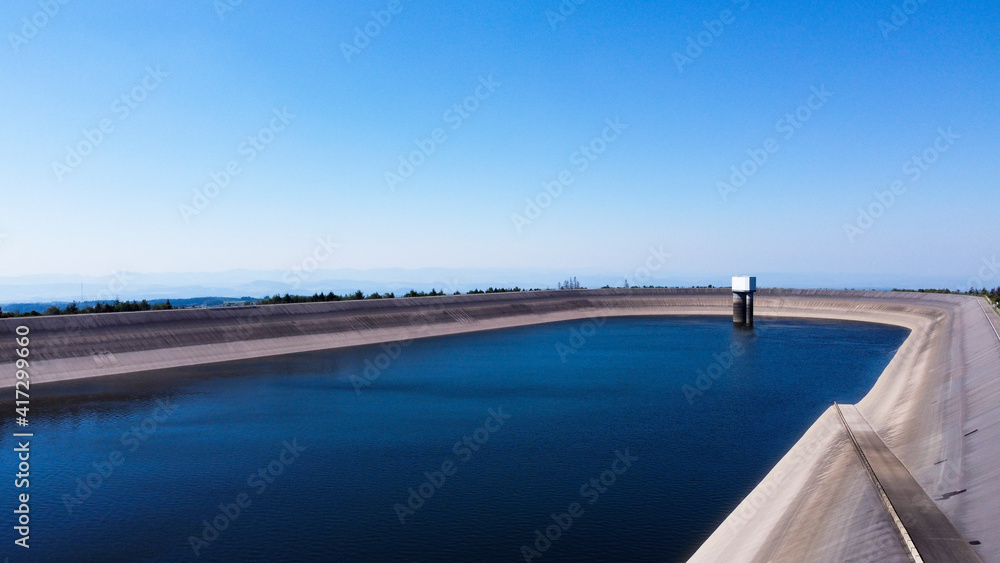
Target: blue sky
(197,84)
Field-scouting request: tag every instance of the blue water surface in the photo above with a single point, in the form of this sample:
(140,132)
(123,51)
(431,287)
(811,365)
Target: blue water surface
(626,439)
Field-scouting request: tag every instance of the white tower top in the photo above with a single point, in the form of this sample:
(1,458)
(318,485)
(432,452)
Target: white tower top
(744,283)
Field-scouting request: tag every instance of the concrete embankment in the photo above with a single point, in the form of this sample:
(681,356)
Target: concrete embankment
(934,407)
(81,346)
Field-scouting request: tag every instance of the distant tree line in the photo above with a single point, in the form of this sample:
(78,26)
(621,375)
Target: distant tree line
(319,297)
(28,314)
(992,294)
(128,306)
(627,286)
(498,290)
(115,306)
(359,295)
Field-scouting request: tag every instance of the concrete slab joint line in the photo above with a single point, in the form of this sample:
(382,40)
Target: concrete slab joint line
(929,536)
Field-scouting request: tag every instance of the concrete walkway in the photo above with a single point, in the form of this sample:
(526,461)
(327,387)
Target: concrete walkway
(924,530)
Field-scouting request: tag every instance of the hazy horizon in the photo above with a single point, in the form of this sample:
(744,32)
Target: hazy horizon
(41,288)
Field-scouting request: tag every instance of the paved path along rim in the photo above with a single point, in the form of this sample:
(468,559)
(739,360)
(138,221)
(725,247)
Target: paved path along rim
(925,531)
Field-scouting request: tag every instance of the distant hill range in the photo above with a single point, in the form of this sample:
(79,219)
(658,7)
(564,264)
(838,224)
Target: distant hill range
(191,288)
(40,307)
